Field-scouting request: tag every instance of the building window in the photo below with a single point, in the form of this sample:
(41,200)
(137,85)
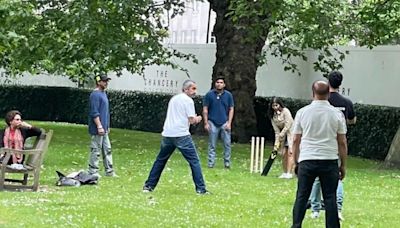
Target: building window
(213,39)
(174,38)
(183,37)
(194,37)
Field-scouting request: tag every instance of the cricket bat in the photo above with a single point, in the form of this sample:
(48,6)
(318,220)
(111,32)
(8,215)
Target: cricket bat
(271,160)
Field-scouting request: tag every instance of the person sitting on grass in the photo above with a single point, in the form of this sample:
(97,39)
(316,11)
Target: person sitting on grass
(14,136)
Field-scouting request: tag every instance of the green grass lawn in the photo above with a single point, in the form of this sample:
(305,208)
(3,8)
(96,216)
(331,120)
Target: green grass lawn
(239,199)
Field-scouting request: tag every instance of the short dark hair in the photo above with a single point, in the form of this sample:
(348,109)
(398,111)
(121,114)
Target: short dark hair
(10,116)
(335,79)
(219,78)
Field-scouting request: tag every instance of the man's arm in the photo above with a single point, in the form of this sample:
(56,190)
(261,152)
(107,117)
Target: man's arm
(342,145)
(351,118)
(296,147)
(230,118)
(100,129)
(205,118)
(351,121)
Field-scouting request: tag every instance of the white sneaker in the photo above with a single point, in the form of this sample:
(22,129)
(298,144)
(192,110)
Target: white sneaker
(315,214)
(282,176)
(289,176)
(340,216)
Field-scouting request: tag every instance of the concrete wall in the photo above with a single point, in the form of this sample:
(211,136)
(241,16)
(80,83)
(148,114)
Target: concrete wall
(370,76)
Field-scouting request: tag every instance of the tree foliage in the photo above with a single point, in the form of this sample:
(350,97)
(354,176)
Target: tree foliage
(297,26)
(81,37)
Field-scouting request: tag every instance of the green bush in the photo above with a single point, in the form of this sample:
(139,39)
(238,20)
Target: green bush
(369,138)
(46,103)
(136,110)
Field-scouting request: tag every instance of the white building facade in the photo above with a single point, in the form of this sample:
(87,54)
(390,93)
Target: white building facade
(194,26)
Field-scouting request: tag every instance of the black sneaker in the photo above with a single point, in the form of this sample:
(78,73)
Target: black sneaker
(147,189)
(205,192)
(227,166)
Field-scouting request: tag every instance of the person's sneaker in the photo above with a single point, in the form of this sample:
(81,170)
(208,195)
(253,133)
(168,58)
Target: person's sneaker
(315,214)
(340,216)
(282,176)
(205,192)
(227,166)
(147,189)
(111,174)
(210,166)
(289,176)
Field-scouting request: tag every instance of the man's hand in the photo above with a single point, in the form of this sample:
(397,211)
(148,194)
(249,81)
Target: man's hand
(101,131)
(207,126)
(199,119)
(342,172)
(228,126)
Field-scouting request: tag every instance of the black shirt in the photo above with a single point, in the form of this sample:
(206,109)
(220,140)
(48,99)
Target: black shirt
(343,104)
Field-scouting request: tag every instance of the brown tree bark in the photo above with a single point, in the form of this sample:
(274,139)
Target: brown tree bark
(393,157)
(237,61)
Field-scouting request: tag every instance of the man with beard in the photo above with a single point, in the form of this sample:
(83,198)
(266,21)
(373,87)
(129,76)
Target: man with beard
(218,114)
(180,114)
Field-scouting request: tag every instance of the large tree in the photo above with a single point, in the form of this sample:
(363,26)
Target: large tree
(243,28)
(80,37)
(290,28)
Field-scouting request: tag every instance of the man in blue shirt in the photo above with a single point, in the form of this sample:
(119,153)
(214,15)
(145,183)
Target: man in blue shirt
(218,114)
(99,127)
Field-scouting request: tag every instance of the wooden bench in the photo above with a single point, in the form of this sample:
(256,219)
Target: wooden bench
(32,164)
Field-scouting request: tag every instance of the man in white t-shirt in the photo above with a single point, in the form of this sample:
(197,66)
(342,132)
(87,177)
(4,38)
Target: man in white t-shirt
(180,114)
(319,140)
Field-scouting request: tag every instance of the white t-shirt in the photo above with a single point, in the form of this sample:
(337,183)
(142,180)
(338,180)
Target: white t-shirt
(180,108)
(319,124)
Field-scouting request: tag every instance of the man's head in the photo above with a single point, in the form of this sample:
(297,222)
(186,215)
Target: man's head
(102,81)
(189,87)
(219,83)
(320,90)
(335,79)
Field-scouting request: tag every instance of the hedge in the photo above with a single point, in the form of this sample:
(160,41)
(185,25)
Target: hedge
(369,138)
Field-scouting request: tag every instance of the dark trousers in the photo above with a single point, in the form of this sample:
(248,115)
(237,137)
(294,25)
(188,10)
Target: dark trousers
(328,173)
(186,146)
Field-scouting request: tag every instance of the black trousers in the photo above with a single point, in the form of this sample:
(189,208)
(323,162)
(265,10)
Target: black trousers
(328,173)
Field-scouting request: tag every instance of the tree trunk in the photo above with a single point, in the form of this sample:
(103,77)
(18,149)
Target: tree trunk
(237,62)
(393,157)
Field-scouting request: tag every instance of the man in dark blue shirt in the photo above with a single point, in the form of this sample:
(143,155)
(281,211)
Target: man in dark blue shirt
(218,114)
(99,127)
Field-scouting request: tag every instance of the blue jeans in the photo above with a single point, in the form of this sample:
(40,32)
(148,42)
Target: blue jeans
(315,197)
(100,144)
(328,173)
(186,146)
(212,143)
